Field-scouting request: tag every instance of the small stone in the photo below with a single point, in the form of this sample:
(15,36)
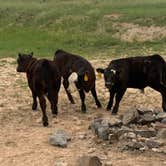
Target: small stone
(161,116)
(60,163)
(108,163)
(112,138)
(82,135)
(156,150)
(134,146)
(162,134)
(130,117)
(146,133)
(59,138)
(88,161)
(152,143)
(163,121)
(103,133)
(147,118)
(92,150)
(126,136)
(115,122)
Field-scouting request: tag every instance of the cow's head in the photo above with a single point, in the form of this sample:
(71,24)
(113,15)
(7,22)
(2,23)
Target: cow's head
(110,76)
(23,61)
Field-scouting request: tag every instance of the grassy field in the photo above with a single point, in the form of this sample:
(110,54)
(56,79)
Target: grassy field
(92,28)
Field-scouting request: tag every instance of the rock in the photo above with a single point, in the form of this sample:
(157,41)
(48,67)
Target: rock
(125,136)
(163,121)
(101,128)
(120,131)
(147,118)
(60,163)
(88,161)
(108,163)
(130,117)
(161,134)
(146,133)
(82,135)
(156,150)
(143,111)
(103,133)
(161,116)
(115,122)
(152,143)
(59,138)
(159,125)
(91,150)
(113,138)
(133,146)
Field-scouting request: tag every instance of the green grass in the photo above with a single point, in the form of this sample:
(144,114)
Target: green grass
(77,26)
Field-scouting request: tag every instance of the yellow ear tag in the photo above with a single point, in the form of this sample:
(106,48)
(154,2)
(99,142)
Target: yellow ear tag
(99,74)
(85,77)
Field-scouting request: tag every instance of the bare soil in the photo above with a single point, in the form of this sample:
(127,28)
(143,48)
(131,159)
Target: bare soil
(24,141)
(133,32)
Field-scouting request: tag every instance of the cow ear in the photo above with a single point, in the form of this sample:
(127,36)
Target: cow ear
(31,54)
(100,70)
(19,55)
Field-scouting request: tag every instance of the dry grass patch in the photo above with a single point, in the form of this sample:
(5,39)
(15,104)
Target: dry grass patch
(133,32)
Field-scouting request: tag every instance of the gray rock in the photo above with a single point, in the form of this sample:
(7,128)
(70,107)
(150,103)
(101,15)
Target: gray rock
(130,117)
(151,143)
(101,128)
(108,163)
(60,163)
(164,121)
(147,118)
(59,138)
(113,138)
(114,121)
(146,133)
(161,116)
(126,136)
(162,134)
(103,133)
(133,146)
(88,161)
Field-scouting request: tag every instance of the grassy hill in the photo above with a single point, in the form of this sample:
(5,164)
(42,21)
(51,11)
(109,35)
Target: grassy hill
(92,28)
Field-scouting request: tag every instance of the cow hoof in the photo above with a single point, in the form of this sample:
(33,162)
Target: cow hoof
(99,105)
(54,115)
(45,124)
(108,109)
(113,113)
(72,102)
(83,111)
(34,107)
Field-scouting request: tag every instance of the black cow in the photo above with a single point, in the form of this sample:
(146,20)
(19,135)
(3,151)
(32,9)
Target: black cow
(134,72)
(69,63)
(43,79)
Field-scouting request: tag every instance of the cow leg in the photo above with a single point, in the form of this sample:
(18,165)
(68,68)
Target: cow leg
(118,98)
(66,85)
(43,108)
(93,91)
(34,105)
(53,99)
(82,96)
(112,94)
(162,89)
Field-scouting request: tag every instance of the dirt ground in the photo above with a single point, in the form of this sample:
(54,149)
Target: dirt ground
(24,141)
